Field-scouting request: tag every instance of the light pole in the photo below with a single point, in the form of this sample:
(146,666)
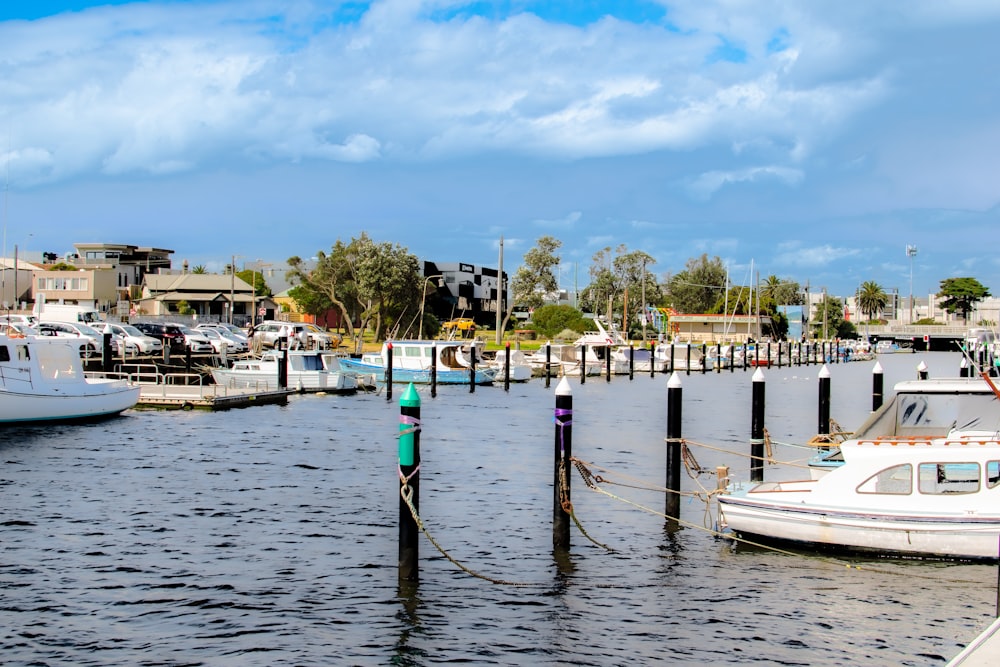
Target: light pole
(911,252)
(423,299)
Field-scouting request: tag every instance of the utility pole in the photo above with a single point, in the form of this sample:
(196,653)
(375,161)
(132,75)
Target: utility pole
(824,313)
(911,252)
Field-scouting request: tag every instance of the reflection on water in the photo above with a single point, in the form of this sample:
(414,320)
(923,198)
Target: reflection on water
(269,536)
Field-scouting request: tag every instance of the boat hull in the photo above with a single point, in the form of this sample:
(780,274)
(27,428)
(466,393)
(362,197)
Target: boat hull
(308,381)
(940,535)
(423,376)
(94,401)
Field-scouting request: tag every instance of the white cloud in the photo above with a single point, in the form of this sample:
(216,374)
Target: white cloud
(708,183)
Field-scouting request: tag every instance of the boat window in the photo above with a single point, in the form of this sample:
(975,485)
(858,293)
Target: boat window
(413,352)
(897,480)
(992,474)
(949,478)
(22,353)
(4,353)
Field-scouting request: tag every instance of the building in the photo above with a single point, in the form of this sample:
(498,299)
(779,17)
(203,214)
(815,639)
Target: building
(465,290)
(225,298)
(15,283)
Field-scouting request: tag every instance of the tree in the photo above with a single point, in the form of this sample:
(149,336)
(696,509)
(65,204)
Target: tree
(961,295)
(388,282)
(328,284)
(62,266)
(618,283)
(256,280)
(552,319)
(199,269)
(829,319)
(872,299)
(534,278)
(697,287)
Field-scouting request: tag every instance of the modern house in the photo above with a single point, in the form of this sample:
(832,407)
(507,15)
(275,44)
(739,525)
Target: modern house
(465,290)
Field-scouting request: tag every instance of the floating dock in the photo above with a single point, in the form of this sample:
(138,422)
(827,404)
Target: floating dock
(206,397)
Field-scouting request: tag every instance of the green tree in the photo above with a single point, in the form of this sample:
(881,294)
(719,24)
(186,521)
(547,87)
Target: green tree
(696,289)
(552,319)
(328,283)
(184,308)
(535,277)
(872,299)
(617,277)
(199,269)
(255,279)
(62,266)
(961,295)
(829,318)
(388,281)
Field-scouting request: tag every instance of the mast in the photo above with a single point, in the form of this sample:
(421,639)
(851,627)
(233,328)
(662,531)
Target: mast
(500,295)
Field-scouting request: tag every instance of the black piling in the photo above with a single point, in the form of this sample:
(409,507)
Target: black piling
(718,357)
(106,356)
(409,483)
(434,370)
(922,372)
(607,362)
(757,427)
(963,368)
(187,359)
(823,427)
(877,385)
(283,370)
(582,356)
(732,358)
(388,372)
(563,420)
(745,360)
(631,361)
(548,364)
(688,359)
(652,358)
(472,368)
(506,366)
(675,394)
(704,358)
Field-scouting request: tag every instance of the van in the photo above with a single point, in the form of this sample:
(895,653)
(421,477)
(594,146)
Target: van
(60,312)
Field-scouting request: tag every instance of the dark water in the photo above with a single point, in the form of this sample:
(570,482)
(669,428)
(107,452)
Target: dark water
(268,536)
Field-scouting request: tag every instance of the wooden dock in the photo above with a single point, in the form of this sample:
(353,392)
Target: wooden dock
(206,396)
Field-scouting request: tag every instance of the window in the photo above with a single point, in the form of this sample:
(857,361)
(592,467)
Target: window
(897,480)
(992,474)
(949,478)
(4,353)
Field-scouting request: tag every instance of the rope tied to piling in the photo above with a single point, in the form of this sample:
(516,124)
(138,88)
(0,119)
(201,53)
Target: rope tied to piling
(562,412)
(406,478)
(567,505)
(408,419)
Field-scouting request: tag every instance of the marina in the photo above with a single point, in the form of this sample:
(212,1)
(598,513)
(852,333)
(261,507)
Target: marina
(269,536)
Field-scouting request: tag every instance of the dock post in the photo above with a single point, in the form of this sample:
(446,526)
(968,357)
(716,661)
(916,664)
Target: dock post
(963,368)
(824,401)
(166,352)
(675,393)
(652,358)
(582,356)
(409,483)
(688,362)
(607,362)
(388,371)
(283,370)
(732,358)
(548,363)
(187,362)
(718,356)
(506,366)
(877,384)
(472,368)
(563,420)
(922,373)
(434,370)
(757,427)
(106,356)
(767,352)
(704,358)
(631,361)
(779,354)
(744,356)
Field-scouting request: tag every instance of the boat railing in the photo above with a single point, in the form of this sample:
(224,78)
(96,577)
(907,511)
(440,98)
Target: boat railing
(15,374)
(255,384)
(789,486)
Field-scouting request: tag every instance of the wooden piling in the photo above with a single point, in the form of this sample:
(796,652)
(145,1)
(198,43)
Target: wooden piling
(434,370)
(388,371)
(631,361)
(283,370)
(582,356)
(757,427)
(107,359)
(823,427)
(563,420)
(963,368)
(877,384)
(409,483)
(506,366)
(607,362)
(548,363)
(922,372)
(472,368)
(673,463)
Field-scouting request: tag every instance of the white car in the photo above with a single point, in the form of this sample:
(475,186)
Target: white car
(220,337)
(134,340)
(91,341)
(195,340)
(224,327)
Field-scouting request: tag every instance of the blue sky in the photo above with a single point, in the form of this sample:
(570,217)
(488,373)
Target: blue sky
(811,140)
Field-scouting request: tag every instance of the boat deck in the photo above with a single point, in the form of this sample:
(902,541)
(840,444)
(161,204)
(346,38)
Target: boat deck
(983,651)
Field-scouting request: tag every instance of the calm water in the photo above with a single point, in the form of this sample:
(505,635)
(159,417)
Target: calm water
(268,536)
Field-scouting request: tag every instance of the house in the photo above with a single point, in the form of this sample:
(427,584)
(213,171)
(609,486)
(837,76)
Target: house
(16,282)
(465,290)
(709,328)
(225,298)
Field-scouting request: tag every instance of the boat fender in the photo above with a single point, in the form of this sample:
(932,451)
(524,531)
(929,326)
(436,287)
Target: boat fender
(187,406)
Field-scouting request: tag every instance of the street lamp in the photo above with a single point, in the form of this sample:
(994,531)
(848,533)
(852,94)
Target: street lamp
(423,299)
(911,252)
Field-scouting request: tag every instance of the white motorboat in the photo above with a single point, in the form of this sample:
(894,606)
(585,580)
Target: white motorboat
(564,360)
(520,368)
(914,493)
(308,371)
(42,379)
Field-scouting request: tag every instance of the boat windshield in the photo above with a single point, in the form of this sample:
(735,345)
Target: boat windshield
(58,363)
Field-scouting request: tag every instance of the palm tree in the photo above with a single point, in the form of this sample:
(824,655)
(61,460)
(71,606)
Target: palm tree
(200,268)
(871,299)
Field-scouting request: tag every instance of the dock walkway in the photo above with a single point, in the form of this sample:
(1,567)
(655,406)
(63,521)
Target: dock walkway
(206,397)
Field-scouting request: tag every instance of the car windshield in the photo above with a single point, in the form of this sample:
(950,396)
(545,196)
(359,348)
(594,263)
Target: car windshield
(87,331)
(209,333)
(132,331)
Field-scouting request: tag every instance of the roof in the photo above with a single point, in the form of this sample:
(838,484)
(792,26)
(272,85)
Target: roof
(199,283)
(8,263)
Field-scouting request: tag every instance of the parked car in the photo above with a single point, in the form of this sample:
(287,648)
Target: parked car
(17,318)
(270,332)
(91,342)
(195,341)
(232,329)
(220,337)
(135,341)
(322,340)
(166,333)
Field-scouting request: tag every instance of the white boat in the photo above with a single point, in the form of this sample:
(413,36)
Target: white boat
(42,379)
(907,494)
(412,361)
(925,409)
(308,371)
(520,368)
(604,344)
(564,360)
(671,357)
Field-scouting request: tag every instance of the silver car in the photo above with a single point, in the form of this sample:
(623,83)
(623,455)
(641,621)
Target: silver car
(195,340)
(135,341)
